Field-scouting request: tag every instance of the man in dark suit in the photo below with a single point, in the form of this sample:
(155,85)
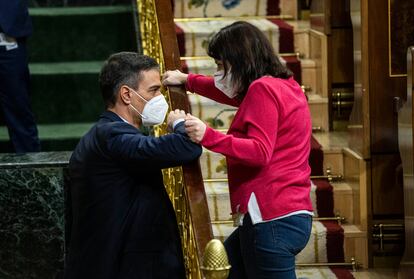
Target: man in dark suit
(15,27)
(123,223)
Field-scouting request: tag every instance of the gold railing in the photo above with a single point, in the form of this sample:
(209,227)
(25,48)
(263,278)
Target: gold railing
(173,177)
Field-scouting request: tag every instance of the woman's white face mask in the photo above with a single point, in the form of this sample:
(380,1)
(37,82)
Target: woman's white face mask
(154,110)
(225,84)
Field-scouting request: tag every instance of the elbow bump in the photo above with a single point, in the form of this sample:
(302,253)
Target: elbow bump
(193,154)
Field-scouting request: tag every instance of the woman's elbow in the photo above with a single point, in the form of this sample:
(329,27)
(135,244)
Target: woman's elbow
(261,159)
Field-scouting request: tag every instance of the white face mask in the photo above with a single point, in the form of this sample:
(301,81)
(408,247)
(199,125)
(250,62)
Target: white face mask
(224,84)
(154,110)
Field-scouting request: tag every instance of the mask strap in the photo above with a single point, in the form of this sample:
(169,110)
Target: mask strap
(136,93)
(142,116)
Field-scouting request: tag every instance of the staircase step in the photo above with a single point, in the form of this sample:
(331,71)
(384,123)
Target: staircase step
(75,3)
(301,32)
(53,137)
(344,201)
(215,8)
(193,36)
(209,110)
(326,243)
(80,33)
(327,200)
(356,244)
(309,74)
(205,65)
(216,114)
(66,92)
(319,111)
(325,273)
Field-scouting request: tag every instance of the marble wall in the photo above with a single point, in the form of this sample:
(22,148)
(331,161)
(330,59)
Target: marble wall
(32,215)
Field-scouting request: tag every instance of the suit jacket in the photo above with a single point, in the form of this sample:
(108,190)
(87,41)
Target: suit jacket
(123,223)
(14,18)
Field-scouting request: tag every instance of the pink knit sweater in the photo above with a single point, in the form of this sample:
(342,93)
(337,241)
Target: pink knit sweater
(267,145)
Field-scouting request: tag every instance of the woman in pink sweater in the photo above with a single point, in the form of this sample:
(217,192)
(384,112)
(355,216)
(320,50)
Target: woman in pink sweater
(267,148)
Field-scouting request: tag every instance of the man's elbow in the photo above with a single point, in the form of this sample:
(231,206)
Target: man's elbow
(193,153)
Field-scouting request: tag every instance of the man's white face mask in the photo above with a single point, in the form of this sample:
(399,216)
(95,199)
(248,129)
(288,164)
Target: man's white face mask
(224,84)
(154,110)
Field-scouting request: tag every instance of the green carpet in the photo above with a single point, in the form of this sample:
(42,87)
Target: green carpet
(66,53)
(80,34)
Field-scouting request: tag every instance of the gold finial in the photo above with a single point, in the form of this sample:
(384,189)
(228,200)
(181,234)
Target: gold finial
(215,261)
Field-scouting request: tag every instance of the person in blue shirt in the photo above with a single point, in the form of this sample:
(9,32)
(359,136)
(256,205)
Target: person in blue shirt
(15,27)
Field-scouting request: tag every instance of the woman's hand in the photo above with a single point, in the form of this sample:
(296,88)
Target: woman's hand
(195,128)
(174,78)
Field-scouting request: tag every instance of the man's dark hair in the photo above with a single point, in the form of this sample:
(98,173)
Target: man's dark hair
(123,68)
(249,53)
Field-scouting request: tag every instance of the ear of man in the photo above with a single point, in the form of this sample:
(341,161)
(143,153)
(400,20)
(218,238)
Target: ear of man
(125,95)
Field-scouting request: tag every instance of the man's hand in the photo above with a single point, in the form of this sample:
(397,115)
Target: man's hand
(173,116)
(174,78)
(195,128)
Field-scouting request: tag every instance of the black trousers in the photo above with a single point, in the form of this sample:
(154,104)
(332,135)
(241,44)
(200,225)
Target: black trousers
(15,101)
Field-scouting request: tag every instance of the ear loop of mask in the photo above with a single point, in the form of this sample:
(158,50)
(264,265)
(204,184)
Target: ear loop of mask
(136,93)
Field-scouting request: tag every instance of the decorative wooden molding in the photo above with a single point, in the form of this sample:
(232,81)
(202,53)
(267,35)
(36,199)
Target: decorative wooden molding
(178,98)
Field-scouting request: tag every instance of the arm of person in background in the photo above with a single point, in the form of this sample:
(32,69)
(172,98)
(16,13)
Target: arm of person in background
(202,85)
(260,122)
(125,143)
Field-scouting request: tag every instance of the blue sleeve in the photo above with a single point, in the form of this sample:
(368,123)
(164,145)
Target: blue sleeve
(127,144)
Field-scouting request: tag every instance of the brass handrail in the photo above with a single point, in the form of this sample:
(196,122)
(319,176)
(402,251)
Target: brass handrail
(354,264)
(336,218)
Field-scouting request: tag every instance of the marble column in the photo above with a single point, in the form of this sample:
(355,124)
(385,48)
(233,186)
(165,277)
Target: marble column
(32,214)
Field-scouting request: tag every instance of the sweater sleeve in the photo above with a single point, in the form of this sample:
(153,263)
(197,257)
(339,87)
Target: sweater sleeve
(170,150)
(204,86)
(259,119)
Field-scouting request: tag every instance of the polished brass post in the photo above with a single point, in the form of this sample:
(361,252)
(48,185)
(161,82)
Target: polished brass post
(215,261)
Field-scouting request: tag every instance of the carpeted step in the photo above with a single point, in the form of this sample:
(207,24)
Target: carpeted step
(216,8)
(53,137)
(206,65)
(80,33)
(209,110)
(193,36)
(322,197)
(323,273)
(68,3)
(66,92)
(326,243)
(216,114)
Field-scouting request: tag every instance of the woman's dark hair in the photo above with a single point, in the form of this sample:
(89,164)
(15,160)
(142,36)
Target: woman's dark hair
(249,53)
(123,68)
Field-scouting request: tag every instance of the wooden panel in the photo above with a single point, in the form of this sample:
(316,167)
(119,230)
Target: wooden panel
(401,33)
(320,16)
(342,55)
(383,88)
(289,7)
(357,175)
(359,123)
(192,173)
(318,52)
(340,14)
(406,142)
(387,191)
